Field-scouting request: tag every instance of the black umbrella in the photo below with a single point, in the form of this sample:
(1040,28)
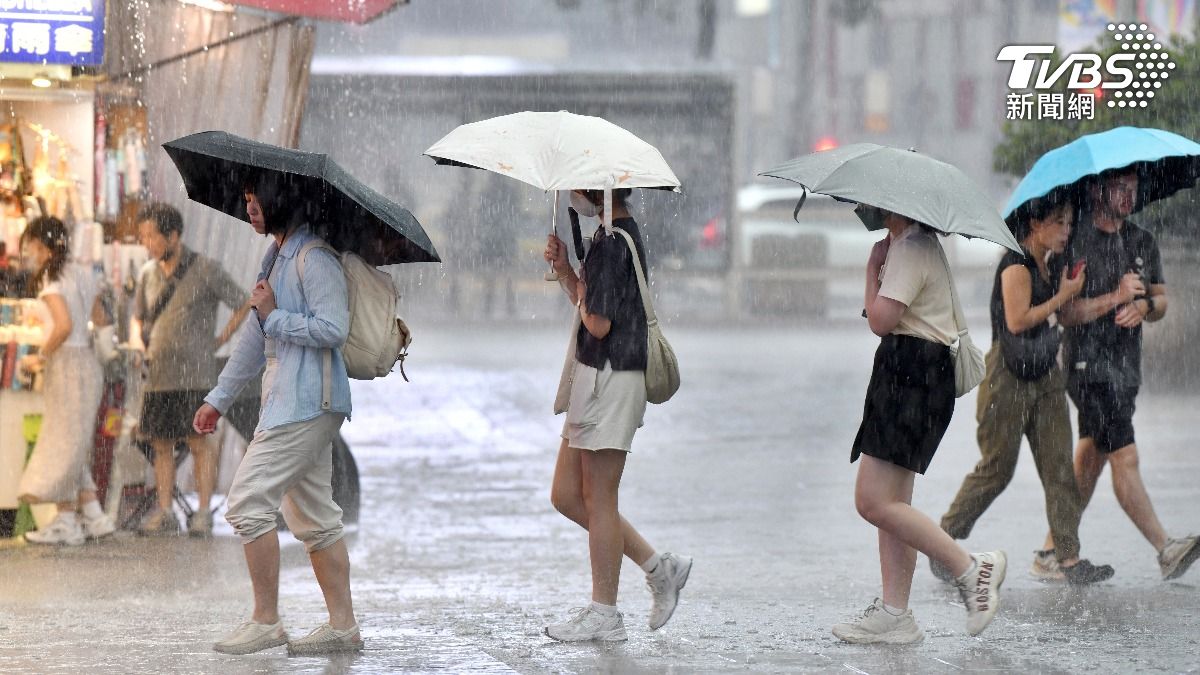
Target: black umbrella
(217,167)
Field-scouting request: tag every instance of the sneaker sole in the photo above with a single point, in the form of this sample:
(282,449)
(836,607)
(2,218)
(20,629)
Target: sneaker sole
(251,647)
(886,639)
(1184,563)
(328,648)
(69,542)
(618,635)
(1047,577)
(682,582)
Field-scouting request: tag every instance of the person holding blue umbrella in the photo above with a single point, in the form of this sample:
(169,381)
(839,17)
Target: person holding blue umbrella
(1117,172)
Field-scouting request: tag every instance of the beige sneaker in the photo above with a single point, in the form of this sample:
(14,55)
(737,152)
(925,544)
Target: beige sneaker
(327,640)
(252,637)
(1046,568)
(878,626)
(1177,556)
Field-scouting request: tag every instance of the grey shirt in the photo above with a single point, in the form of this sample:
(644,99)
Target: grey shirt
(183,341)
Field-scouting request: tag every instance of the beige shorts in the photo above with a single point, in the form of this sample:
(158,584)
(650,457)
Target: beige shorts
(606,408)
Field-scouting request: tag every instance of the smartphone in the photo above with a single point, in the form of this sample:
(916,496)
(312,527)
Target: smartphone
(1076,269)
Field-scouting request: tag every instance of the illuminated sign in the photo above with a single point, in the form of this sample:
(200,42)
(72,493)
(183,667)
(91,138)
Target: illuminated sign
(52,32)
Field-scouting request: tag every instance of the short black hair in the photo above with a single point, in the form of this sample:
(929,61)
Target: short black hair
(1021,220)
(166,217)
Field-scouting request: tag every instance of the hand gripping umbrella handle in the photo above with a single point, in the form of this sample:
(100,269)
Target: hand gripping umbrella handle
(551,275)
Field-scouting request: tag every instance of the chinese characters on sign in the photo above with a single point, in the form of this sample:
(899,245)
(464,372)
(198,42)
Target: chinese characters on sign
(1056,106)
(52,32)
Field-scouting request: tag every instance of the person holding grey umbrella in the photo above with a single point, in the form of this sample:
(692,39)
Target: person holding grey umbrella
(606,403)
(912,305)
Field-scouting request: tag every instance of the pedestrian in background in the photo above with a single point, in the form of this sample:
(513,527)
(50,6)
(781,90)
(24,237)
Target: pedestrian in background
(174,321)
(1024,394)
(59,470)
(1125,287)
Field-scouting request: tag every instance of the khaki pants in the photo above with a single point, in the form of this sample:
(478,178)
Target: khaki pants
(1009,408)
(290,466)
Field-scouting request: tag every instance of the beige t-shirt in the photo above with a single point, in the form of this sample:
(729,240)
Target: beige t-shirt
(915,275)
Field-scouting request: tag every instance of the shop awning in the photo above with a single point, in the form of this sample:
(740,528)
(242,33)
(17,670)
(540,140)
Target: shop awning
(352,11)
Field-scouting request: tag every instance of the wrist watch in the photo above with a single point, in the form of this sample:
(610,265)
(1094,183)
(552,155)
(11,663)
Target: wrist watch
(1149,304)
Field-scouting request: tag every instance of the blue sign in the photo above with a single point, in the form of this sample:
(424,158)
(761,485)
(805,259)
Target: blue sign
(52,32)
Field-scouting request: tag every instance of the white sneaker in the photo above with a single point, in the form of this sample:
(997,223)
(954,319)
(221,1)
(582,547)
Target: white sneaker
(1046,568)
(588,624)
(97,528)
(1177,556)
(327,640)
(252,637)
(59,531)
(980,589)
(878,626)
(665,582)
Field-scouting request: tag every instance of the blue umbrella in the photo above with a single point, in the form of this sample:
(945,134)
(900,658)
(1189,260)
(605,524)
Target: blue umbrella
(1165,162)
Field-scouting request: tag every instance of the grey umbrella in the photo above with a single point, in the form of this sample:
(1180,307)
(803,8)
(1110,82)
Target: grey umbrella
(904,182)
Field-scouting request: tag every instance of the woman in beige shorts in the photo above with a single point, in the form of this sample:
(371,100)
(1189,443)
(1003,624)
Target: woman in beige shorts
(606,404)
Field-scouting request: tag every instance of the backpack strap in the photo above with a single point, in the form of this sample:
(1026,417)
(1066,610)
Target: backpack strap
(326,354)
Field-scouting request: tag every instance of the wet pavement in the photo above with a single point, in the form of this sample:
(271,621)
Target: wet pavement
(460,560)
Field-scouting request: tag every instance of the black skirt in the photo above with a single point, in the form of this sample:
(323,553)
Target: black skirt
(909,402)
(167,415)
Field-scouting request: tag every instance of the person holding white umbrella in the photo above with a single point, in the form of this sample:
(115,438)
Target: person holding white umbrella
(604,386)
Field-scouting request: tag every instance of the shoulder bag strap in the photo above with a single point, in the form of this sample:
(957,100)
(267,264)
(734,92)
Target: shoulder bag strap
(960,322)
(326,354)
(637,267)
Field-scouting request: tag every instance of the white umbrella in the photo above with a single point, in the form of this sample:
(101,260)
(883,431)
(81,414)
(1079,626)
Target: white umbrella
(558,151)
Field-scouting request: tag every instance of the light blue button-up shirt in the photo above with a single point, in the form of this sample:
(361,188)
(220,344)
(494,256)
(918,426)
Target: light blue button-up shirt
(307,320)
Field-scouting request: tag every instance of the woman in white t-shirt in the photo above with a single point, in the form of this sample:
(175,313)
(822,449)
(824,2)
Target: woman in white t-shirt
(59,470)
(910,306)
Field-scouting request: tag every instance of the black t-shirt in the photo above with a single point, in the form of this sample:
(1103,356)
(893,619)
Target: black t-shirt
(612,292)
(1032,353)
(1043,290)
(1100,351)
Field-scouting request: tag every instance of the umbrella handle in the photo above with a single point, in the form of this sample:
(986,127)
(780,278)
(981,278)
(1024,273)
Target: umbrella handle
(550,274)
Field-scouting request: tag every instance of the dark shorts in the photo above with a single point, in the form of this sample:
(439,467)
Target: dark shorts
(909,402)
(168,415)
(1105,413)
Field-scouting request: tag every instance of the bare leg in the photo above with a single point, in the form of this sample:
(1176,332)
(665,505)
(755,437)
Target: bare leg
(881,494)
(262,561)
(164,472)
(602,471)
(204,457)
(332,567)
(1131,494)
(566,494)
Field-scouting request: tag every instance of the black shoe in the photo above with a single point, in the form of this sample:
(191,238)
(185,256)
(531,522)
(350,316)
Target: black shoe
(941,571)
(1084,572)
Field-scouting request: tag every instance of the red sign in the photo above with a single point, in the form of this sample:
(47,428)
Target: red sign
(352,11)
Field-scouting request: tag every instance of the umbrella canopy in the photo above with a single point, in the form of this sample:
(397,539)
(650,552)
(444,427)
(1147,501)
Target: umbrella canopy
(904,182)
(1165,162)
(557,151)
(216,166)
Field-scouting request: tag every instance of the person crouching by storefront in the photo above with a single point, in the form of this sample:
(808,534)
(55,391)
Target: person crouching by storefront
(59,470)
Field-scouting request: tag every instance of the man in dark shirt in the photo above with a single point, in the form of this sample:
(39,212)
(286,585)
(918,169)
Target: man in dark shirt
(1103,351)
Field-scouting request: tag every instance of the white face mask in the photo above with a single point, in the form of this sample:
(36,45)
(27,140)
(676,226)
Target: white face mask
(583,206)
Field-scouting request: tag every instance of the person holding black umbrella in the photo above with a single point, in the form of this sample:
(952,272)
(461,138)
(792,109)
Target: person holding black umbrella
(288,465)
